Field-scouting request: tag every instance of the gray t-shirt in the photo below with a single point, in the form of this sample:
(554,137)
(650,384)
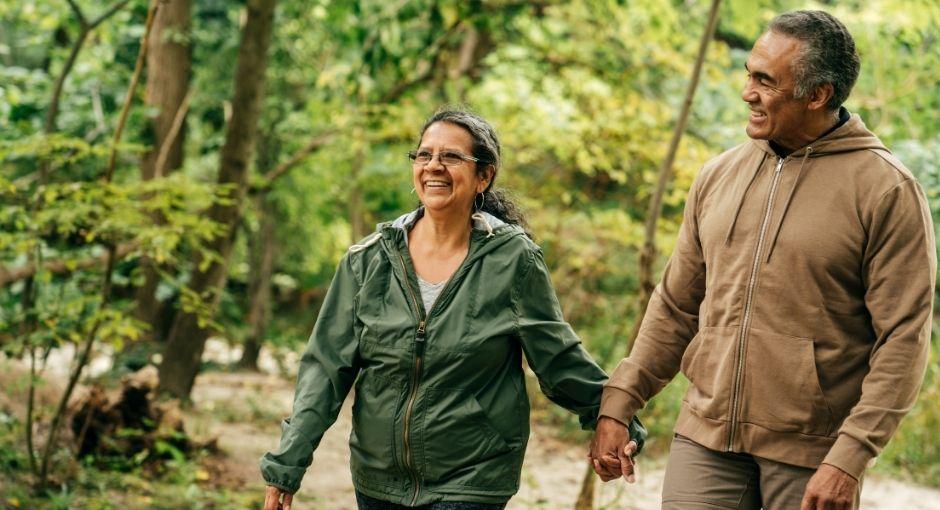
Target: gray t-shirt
(429,292)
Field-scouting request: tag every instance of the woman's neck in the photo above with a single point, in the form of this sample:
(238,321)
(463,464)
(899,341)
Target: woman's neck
(442,231)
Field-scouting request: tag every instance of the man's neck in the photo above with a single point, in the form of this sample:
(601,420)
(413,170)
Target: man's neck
(823,127)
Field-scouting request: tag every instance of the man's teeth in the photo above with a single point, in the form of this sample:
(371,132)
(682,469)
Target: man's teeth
(436,184)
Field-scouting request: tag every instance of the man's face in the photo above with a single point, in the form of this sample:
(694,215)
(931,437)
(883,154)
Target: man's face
(775,114)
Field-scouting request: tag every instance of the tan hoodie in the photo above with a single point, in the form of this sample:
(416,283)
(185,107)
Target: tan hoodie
(797,302)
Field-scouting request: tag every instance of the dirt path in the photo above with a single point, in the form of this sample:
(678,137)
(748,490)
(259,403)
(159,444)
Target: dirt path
(551,473)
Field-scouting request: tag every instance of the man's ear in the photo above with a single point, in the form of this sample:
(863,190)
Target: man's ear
(820,96)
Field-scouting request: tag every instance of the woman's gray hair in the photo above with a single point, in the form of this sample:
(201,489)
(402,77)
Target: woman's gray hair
(487,150)
(828,55)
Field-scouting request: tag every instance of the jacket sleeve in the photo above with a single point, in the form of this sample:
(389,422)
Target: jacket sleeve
(670,322)
(899,269)
(328,368)
(567,374)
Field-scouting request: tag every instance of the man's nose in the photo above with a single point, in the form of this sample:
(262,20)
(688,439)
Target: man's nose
(748,94)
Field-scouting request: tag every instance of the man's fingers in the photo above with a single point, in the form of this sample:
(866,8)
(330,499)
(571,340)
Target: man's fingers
(271,496)
(809,502)
(288,499)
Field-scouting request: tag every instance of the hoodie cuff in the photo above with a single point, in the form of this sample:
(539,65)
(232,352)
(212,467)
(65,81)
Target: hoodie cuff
(850,456)
(618,404)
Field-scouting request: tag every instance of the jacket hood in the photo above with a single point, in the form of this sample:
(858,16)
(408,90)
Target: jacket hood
(851,136)
(486,227)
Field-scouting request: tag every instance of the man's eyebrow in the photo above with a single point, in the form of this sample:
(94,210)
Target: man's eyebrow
(760,75)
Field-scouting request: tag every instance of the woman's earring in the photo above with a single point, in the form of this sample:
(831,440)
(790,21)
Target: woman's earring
(482,201)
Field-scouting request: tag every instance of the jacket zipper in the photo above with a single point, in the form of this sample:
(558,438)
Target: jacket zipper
(735,396)
(419,353)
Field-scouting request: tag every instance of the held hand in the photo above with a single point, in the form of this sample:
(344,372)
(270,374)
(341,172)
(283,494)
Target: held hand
(612,451)
(276,499)
(830,489)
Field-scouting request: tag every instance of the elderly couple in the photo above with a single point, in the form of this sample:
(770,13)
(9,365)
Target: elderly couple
(797,302)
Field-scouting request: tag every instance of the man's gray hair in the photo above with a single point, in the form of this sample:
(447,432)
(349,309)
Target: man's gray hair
(828,55)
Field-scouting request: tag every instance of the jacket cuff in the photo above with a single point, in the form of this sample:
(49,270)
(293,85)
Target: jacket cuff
(850,456)
(618,404)
(286,478)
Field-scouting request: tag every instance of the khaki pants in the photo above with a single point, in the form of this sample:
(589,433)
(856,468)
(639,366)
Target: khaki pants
(698,478)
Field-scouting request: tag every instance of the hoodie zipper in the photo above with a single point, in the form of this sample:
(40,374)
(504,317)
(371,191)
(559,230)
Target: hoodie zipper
(752,281)
(420,337)
(415,373)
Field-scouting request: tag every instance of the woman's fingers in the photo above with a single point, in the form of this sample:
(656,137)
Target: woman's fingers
(288,499)
(271,497)
(627,466)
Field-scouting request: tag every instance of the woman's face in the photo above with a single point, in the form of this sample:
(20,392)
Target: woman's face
(451,187)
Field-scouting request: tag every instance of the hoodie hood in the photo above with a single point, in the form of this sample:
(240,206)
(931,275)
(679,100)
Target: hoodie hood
(851,136)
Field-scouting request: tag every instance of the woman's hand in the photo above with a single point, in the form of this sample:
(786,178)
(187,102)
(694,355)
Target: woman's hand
(276,499)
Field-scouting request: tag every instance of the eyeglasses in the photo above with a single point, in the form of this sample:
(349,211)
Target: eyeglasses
(447,158)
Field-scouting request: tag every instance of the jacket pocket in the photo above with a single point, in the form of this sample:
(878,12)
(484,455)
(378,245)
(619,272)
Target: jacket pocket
(781,389)
(371,440)
(708,364)
(458,437)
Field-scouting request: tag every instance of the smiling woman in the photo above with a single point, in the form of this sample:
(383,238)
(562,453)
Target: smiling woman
(430,317)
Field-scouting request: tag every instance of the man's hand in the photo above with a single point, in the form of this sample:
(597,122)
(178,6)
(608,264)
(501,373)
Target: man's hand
(830,489)
(612,451)
(276,499)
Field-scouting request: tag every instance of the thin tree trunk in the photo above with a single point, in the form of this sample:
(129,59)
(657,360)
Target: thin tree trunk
(184,347)
(168,63)
(261,252)
(107,277)
(648,254)
(356,213)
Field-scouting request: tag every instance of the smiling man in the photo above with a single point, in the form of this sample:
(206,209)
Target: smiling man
(797,301)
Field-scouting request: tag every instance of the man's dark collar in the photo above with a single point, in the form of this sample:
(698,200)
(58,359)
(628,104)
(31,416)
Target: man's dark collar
(843,118)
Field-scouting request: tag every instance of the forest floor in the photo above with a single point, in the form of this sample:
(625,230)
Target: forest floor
(242,411)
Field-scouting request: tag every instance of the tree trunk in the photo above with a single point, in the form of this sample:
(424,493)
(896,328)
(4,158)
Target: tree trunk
(648,254)
(187,338)
(261,252)
(168,70)
(356,213)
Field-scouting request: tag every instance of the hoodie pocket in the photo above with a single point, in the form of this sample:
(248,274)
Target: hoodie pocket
(781,389)
(457,435)
(708,364)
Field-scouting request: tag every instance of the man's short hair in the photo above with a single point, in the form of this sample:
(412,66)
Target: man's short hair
(828,55)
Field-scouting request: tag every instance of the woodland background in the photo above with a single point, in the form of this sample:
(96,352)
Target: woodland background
(204,189)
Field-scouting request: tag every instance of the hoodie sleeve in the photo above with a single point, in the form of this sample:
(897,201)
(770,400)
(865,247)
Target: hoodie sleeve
(567,374)
(670,322)
(328,368)
(899,270)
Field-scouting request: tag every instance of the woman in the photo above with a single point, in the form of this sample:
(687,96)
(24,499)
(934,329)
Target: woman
(433,313)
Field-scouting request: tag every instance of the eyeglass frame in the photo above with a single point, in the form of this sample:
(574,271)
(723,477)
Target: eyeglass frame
(413,156)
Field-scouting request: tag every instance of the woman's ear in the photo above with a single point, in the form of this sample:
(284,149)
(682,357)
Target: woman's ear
(486,178)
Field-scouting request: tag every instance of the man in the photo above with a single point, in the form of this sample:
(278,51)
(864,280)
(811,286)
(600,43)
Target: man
(797,301)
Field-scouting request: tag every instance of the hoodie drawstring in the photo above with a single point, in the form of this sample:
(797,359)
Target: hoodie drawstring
(737,210)
(786,205)
(479,217)
(367,243)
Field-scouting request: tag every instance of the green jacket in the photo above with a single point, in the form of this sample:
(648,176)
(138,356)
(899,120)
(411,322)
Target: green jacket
(441,411)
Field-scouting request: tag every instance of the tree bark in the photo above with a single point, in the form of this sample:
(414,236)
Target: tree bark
(261,249)
(169,64)
(186,341)
(648,254)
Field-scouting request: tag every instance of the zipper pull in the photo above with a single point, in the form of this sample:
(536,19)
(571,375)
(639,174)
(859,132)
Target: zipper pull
(780,162)
(419,338)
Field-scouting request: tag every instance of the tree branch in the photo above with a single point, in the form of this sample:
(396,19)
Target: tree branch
(172,134)
(298,156)
(138,69)
(62,267)
(108,13)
